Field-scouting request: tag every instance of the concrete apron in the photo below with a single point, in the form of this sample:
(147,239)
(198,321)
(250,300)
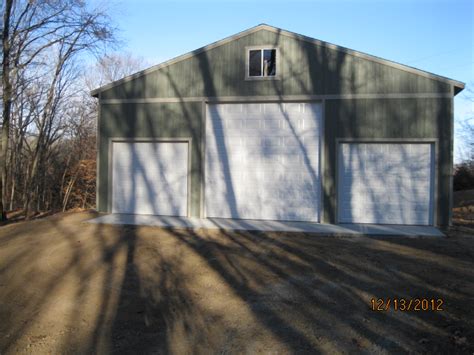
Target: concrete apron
(269,226)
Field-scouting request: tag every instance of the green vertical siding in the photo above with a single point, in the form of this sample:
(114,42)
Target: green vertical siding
(394,119)
(306,69)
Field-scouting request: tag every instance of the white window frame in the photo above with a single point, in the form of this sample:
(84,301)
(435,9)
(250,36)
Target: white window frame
(262,77)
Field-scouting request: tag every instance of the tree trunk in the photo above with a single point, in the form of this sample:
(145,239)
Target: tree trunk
(7,103)
(31,189)
(84,201)
(12,195)
(37,199)
(68,191)
(63,179)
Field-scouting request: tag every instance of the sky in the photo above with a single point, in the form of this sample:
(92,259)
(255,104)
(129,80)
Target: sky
(436,35)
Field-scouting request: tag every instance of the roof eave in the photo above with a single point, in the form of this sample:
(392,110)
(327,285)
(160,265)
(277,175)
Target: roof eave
(458,88)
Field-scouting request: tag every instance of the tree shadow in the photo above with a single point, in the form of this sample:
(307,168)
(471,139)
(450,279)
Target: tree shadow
(131,289)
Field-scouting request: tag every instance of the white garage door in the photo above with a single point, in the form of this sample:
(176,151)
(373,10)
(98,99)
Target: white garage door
(386,183)
(262,161)
(150,178)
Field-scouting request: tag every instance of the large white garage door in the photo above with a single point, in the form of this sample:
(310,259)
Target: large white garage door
(262,161)
(386,183)
(150,178)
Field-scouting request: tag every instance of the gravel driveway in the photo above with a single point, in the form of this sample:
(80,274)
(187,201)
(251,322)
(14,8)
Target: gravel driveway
(73,287)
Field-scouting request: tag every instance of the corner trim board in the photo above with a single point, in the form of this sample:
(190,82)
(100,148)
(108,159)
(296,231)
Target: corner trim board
(203,160)
(322,152)
(97,144)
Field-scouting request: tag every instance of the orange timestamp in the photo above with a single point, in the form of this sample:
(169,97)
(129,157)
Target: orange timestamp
(407,305)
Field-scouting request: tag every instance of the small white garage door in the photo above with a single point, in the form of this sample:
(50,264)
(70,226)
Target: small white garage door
(150,178)
(386,183)
(262,161)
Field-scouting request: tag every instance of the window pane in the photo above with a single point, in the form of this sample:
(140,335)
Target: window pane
(255,63)
(269,62)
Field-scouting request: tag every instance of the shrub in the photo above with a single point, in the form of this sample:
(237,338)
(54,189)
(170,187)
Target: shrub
(463,178)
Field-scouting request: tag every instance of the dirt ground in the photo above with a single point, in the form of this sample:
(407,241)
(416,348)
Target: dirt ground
(73,287)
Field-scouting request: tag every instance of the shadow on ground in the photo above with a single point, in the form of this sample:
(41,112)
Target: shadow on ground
(67,286)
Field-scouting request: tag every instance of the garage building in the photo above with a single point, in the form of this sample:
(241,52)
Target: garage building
(272,125)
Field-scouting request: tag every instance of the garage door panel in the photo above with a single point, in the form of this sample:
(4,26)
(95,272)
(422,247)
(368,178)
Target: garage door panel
(378,194)
(250,142)
(386,183)
(274,109)
(270,124)
(389,216)
(150,178)
(264,165)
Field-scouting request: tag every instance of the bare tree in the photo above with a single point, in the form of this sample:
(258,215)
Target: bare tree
(40,41)
(466,133)
(6,101)
(114,66)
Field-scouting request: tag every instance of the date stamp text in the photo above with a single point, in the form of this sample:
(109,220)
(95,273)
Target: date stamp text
(407,305)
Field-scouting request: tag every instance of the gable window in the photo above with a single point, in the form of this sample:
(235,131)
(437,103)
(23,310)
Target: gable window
(261,62)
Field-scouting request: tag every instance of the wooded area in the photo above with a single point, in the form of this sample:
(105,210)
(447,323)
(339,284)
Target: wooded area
(48,132)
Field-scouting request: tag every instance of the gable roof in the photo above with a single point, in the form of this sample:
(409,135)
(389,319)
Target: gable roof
(458,85)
